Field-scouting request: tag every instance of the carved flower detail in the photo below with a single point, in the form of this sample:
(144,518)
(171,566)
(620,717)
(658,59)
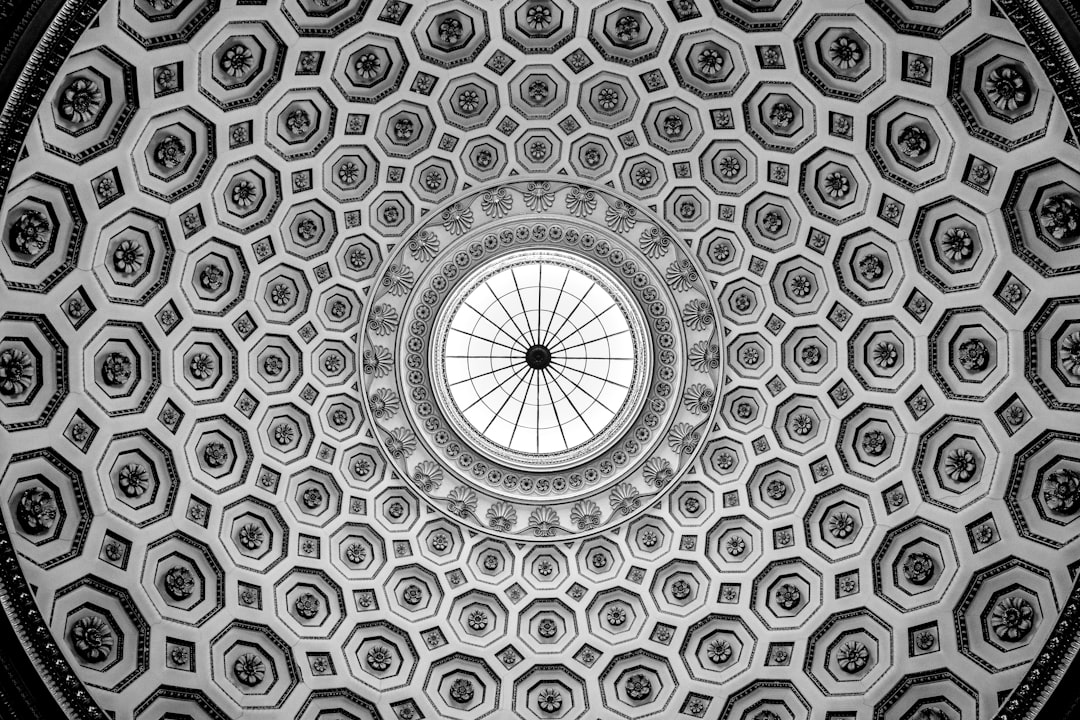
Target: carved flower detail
(549,700)
(249,669)
(368,65)
(251,536)
(133,480)
(307,605)
(36,510)
(776,489)
(412,595)
(283,433)
(355,553)
(16,372)
(1068,355)
(179,582)
(170,152)
(871,267)
(298,122)
(538,16)
(729,166)
(81,101)
(450,30)
(280,294)
(800,285)
(461,690)
(547,628)
(478,620)
(973,355)
(960,465)
(638,686)
(918,568)
(772,223)
(710,61)
(681,589)
(128,256)
(845,52)
(1012,618)
(245,193)
(852,656)
(116,369)
(201,366)
(788,596)
(673,126)
(841,524)
(379,658)
(608,98)
(913,141)
(237,60)
(957,244)
(1060,217)
(719,651)
(837,185)
(781,115)
(29,234)
(627,28)
(1006,87)
(925,640)
(212,277)
(307,230)
(875,443)
(886,354)
(1061,491)
(92,638)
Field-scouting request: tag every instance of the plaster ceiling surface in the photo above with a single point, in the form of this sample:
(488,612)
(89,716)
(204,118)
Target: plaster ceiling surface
(543,359)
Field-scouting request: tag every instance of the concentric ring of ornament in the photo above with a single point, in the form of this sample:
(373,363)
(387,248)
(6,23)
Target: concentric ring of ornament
(625,471)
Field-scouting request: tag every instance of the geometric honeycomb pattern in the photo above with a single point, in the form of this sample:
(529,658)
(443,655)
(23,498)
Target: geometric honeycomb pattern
(863,223)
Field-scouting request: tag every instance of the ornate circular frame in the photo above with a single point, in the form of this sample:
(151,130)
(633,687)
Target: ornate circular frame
(584,493)
(1044,37)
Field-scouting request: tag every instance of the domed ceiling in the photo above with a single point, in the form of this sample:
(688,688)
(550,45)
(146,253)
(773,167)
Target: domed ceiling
(547,359)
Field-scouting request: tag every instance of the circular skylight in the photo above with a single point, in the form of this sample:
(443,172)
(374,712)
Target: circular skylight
(541,356)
